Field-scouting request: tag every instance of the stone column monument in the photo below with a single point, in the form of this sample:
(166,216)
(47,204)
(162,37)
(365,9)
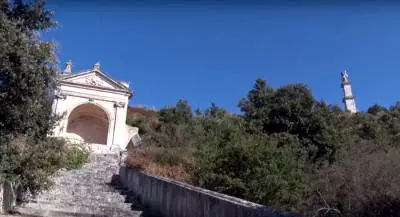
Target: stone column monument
(348,99)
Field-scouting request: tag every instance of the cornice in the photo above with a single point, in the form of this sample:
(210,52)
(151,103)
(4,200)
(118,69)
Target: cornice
(90,97)
(90,87)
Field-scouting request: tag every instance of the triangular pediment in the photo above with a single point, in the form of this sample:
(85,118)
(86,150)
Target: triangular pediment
(95,79)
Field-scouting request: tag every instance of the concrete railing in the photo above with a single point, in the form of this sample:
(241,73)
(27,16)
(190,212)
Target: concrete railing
(168,198)
(9,194)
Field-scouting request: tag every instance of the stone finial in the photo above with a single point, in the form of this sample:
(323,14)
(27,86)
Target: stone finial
(68,67)
(96,66)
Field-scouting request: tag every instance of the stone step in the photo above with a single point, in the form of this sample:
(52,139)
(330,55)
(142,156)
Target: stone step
(92,200)
(95,195)
(80,210)
(62,213)
(15,215)
(112,203)
(92,172)
(84,183)
(91,206)
(83,192)
(78,189)
(51,213)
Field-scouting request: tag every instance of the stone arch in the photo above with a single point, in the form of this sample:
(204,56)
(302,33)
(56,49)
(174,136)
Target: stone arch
(89,122)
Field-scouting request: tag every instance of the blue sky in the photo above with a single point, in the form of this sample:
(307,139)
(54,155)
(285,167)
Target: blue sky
(214,52)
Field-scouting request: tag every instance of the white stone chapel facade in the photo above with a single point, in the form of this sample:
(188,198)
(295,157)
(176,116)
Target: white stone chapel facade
(93,109)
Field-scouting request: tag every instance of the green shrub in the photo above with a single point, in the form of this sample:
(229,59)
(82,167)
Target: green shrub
(75,156)
(32,163)
(250,167)
(28,70)
(167,156)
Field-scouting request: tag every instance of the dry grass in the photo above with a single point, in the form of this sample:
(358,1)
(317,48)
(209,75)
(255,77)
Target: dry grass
(165,162)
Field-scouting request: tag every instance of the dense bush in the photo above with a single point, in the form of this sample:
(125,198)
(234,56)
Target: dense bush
(75,155)
(31,163)
(249,166)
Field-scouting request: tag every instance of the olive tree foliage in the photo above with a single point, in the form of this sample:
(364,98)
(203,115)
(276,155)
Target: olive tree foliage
(27,80)
(27,69)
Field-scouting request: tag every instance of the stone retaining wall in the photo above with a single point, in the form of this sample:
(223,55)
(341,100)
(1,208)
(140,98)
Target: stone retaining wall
(168,198)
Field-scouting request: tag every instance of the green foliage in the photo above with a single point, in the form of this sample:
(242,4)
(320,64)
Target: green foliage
(180,113)
(169,156)
(215,112)
(251,167)
(75,156)
(292,109)
(228,159)
(30,15)
(286,150)
(27,70)
(174,126)
(254,107)
(32,163)
(27,83)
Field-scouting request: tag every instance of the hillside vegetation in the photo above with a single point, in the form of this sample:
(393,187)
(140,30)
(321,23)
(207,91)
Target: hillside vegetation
(286,150)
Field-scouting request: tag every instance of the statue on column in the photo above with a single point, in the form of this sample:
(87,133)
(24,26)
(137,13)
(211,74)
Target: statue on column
(345,77)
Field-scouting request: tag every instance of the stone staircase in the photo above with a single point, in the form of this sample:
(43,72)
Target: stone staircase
(83,192)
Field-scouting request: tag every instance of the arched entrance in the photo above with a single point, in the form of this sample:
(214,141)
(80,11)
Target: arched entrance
(90,123)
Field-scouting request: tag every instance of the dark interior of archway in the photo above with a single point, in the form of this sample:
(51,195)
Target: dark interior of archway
(90,122)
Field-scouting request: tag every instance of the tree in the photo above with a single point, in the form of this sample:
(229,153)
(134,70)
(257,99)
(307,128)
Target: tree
(27,70)
(180,113)
(255,107)
(292,109)
(27,82)
(252,167)
(215,112)
(375,109)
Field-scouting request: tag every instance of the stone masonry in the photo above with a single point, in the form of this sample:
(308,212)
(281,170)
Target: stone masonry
(83,192)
